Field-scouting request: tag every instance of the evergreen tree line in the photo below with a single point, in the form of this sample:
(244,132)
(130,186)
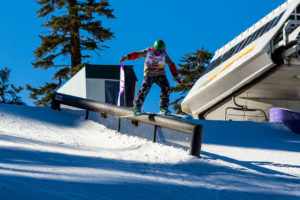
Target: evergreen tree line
(8,92)
(191,67)
(74,30)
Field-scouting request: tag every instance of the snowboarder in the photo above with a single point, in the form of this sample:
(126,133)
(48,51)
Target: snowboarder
(154,72)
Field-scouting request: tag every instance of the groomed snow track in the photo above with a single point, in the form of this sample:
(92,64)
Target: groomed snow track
(118,118)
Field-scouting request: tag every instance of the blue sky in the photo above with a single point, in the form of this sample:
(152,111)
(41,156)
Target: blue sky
(183,25)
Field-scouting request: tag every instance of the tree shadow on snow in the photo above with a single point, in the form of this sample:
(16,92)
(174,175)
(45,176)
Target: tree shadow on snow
(273,136)
(252,165)
(28,174)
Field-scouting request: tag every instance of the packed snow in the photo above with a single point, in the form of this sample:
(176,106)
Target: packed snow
(46,154)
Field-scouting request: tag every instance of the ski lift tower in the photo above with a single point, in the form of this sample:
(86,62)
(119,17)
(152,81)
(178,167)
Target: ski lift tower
(256,71)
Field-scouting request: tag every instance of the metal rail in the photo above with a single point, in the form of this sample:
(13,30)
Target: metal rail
(195,130)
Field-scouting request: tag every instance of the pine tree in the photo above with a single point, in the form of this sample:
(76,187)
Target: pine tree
(8,92)
(193,65)
(74,30)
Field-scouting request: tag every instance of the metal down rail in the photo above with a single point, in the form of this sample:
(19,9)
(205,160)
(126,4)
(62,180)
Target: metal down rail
(195,130)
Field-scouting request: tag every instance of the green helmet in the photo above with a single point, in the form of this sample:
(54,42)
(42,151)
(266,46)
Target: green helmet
(159,45)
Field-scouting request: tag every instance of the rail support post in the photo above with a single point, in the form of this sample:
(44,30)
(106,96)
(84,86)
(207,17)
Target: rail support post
(119,124)
(55,105)
(196,141)
(87,114)
(154,133)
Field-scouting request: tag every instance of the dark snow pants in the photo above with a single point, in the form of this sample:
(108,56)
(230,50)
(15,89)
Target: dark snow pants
(148,81)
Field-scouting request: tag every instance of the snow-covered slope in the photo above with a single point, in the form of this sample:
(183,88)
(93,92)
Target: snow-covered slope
(46,154)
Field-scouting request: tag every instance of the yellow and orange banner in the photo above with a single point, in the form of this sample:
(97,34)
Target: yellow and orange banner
(226,66)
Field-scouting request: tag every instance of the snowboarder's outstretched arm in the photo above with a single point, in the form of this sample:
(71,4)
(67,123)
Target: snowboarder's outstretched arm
(134,55)
(173,69)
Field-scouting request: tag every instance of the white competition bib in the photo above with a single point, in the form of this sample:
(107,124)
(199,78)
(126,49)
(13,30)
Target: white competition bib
(155,61)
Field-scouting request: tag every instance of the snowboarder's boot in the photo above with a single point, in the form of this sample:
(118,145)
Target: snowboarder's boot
(164,111)
(136,110)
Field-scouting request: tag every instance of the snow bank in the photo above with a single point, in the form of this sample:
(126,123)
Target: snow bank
(46,154)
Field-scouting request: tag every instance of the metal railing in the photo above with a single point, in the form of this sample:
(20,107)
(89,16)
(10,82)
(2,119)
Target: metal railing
(244,108)
(195,130)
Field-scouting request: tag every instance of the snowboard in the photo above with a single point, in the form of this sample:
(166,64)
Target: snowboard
(128,116)
(151,115)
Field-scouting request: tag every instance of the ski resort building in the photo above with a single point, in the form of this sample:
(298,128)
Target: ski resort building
(256,71)
(101,83)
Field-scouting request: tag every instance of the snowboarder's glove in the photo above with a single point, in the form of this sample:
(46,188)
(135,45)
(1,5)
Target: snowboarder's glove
(124,58)
(177,79)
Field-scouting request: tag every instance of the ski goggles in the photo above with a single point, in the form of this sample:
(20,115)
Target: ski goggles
(159,51)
